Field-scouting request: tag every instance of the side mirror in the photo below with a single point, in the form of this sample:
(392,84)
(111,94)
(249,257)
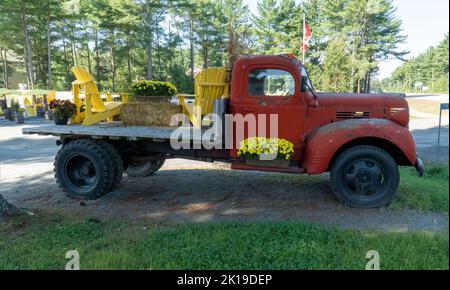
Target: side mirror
(303,86)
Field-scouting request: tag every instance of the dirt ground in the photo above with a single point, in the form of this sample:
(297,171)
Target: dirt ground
(185,191)
(211,193)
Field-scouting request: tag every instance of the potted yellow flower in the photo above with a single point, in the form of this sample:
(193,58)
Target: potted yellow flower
(270,152)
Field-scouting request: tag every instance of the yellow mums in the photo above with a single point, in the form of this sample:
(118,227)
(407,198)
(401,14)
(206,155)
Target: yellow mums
(270,148)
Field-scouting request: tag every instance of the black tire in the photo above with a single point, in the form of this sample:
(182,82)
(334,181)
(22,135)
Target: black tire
(144,169)
(83,169)
(365,176)
(116,160)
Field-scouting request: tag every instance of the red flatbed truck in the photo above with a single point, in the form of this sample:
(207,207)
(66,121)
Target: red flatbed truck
(361,139)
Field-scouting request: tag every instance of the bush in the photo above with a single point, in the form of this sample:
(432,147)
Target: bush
(153,88)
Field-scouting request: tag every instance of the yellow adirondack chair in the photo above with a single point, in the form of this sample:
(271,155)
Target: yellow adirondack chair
(210,84)
(95,109)
(30,100)
(51,96)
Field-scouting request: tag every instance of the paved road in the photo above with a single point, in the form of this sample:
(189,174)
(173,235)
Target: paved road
(429,137)
(424,126)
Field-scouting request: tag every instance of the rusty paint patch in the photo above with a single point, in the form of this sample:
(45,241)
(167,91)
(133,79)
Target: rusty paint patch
(266,100)
(351,124)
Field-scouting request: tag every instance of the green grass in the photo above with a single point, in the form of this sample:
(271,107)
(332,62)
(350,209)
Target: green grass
(429,193)
(41,243)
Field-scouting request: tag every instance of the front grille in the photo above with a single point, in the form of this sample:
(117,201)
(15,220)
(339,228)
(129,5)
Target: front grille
(352,115)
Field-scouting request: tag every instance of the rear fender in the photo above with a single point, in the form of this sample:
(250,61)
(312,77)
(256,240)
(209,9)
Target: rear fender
(322,143)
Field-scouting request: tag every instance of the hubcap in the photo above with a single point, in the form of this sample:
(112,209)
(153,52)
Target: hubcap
(365,177)
(81,172)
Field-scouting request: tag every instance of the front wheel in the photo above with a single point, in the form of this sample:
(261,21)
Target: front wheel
(365,176)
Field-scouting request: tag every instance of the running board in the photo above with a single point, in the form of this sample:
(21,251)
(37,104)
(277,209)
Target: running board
(238,165)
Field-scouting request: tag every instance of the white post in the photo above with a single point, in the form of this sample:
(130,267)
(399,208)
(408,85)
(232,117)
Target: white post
(439,132)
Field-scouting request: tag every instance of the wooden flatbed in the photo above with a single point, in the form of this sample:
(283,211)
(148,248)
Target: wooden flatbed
(116,131)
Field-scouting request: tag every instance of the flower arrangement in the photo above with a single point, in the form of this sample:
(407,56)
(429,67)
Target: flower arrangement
(62,110)
(262,148)
(146,90)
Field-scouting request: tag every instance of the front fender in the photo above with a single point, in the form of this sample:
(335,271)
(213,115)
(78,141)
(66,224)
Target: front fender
(322,143)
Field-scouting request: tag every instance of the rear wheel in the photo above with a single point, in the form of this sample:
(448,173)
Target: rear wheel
(365,176)
(83,169)
(116,161)
(143,168)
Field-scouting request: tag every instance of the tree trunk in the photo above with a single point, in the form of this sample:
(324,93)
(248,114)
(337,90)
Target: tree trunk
(41,74)
(97,55)
(113,64)
(191,43)
(180,47)
(27,68)
(49,56)
(66,62)
(89,58)
(205,54)
(150,40)
(5,67)
(158,55)
(149,63)
(74,49)
(130,77)
(7,209)
(28,52)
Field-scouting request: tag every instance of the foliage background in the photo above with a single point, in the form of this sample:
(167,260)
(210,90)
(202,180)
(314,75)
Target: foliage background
(121,41)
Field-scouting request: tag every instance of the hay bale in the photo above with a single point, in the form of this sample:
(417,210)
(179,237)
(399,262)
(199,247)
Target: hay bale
(148,114)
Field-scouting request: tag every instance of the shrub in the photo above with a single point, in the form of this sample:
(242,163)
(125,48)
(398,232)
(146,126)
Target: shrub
(153,88)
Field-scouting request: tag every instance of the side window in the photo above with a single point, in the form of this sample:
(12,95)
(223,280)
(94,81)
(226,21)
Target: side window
(270,82)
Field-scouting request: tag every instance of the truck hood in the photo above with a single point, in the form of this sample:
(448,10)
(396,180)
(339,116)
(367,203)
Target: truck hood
(346,105)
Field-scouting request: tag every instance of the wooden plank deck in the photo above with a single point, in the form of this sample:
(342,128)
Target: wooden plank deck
(115,131)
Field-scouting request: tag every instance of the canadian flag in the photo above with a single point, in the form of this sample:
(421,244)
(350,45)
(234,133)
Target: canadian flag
(306,36)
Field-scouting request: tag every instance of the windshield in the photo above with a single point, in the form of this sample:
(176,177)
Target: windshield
(308,82)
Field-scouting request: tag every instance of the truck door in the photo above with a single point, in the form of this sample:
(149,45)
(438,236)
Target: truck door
(275,89)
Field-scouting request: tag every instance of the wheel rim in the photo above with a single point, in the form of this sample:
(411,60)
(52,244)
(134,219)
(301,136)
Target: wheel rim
(365,177)
(81,172)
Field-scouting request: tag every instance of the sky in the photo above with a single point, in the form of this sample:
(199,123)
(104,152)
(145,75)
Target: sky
(424,22)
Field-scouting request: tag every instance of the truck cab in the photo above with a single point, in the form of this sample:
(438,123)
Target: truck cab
(327,128)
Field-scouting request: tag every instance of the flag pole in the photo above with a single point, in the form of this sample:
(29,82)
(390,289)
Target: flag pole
(303,43)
